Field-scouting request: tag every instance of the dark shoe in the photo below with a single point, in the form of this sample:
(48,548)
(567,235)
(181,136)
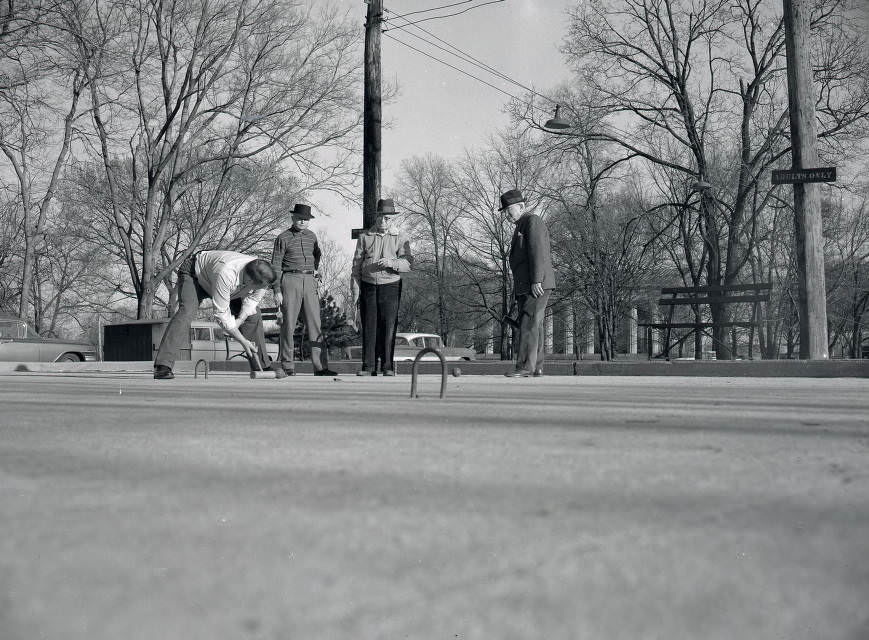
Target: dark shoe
(538,372)
(387,372)
(518,373)
(325,372)
(363,372)
(162,372)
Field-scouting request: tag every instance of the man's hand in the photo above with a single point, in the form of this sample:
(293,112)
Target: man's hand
(249,347)
(537,289)
(385,263)
(279,298)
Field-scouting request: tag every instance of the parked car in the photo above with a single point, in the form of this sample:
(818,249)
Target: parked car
(210,342)
(407,345)
(19,342)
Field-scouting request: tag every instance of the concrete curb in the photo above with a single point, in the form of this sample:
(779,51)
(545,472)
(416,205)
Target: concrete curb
(699,368)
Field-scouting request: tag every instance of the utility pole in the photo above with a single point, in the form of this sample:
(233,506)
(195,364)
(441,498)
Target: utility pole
(371,116)
(807,197)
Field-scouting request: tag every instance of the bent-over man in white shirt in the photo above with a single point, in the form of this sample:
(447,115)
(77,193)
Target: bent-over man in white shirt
(236,284)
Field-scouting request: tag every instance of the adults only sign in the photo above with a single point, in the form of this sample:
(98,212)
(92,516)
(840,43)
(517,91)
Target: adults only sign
(795,176)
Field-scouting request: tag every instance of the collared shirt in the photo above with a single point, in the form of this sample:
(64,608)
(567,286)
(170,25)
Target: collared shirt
(221,273)
(296,249)
(373,245)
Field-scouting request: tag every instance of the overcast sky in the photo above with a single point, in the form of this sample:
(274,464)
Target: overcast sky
(439,110)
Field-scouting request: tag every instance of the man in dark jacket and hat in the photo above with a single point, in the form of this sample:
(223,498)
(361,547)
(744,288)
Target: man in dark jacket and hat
(533,281)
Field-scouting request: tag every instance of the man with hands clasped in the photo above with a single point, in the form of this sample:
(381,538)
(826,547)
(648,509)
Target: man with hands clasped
(382,255)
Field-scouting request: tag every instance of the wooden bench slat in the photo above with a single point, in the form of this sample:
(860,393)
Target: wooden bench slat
(693,325)
(669,302)
(718,288)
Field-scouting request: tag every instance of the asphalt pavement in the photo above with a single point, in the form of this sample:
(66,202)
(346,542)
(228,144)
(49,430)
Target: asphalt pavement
(563,507)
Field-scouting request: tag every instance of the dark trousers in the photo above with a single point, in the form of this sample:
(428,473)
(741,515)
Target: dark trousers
(378,312)
(190,296)
(299,292)
(532,332)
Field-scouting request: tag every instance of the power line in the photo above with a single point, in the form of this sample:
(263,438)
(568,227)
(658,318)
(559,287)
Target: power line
(466,57)
(443,6)
(447,15)
(428,55)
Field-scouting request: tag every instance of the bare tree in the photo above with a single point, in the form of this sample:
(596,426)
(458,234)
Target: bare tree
(697,87)
(195,88)
(425,193)
(44,76)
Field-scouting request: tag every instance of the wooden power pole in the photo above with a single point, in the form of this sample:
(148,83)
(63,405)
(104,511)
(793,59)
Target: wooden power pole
(807,196)
(372,113)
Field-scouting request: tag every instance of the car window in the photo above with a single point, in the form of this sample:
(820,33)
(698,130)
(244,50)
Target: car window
(400,341)
(30,332)
(220,335)
(11,329)
(418,342)
(200,333)
(433,342)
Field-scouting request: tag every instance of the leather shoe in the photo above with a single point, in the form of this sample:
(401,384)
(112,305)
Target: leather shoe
(162,372)
(538,372)
(325,372)
(363,372)
(518,373)
(280,372)
(388,372)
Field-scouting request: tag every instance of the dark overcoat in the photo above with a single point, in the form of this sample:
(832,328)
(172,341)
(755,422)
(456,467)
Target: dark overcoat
(530,255)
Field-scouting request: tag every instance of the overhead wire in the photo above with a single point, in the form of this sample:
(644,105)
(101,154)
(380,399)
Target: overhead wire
(463,55)
(468,58)
(447,15)
(443,62)
(443,6)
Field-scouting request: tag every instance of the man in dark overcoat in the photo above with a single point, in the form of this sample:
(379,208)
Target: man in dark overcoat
(533,281)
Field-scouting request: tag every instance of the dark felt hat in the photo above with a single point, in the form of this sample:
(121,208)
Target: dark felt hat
(385,207)
(302,211)
(511,197)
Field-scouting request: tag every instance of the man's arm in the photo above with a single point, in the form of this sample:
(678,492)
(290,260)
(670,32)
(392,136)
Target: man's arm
(537,237)
(316,252)
(277,259)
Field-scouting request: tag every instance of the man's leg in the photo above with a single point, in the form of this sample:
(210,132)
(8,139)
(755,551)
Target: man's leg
(292,288)
(311,308)
(368,318)
(389,296)
(177,334)
(531,313)
(541,303)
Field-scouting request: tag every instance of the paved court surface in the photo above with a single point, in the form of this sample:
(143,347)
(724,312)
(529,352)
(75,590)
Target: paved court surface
(552,508)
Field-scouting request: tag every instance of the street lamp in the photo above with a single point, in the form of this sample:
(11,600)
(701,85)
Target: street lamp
(557,122)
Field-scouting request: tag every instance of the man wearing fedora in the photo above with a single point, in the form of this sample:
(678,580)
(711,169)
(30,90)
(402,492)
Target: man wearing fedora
(533,281)
(382,255)
(296,256)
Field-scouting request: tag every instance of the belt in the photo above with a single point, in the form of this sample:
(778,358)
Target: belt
(298,271)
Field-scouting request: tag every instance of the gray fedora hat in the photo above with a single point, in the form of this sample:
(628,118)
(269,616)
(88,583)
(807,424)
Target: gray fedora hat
(385,207)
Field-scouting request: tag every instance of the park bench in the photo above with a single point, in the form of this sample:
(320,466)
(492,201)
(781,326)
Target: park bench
(710,294)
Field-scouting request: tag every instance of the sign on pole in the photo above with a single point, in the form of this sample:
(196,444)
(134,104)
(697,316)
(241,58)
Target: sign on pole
(801,176)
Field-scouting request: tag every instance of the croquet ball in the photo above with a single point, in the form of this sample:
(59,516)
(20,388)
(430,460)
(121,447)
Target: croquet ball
(457,372)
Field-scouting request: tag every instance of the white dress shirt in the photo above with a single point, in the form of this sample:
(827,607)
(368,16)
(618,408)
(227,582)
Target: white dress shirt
(221,273)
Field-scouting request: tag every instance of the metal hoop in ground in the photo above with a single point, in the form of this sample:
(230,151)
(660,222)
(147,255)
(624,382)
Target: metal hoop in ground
(196,368)
(413,371)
